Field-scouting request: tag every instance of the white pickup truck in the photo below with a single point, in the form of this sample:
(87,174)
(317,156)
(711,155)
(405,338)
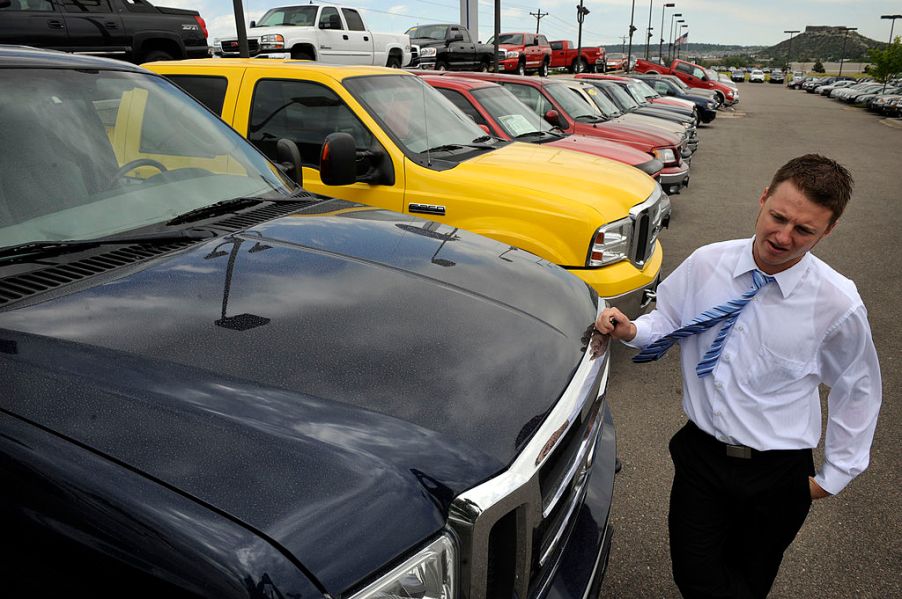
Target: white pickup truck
(323,32)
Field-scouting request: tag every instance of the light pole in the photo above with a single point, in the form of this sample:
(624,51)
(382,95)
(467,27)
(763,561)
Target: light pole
(670,37)
(842,55)
(680,34)
(581,12)
(661,45)
(789,52)
(629,52)
(892,22)
(648,30)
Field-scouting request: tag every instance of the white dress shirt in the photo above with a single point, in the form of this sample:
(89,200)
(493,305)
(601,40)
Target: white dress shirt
(808,327)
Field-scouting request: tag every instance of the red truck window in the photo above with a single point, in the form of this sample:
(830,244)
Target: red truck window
(557,45)
(543,41)
(463,105)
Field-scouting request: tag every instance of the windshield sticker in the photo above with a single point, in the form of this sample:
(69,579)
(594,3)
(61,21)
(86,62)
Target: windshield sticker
(517,124)
(592,91)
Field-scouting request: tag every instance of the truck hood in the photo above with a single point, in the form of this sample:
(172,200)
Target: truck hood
(257,32)
(643,121)
(561,180)
(333,381)
(603,148)
(641,138)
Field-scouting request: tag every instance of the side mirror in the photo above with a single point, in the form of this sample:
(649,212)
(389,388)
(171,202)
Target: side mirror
(485,129)
(253,24)
(456,37)
(338,160)
(5,3)
(288,159)
(554,117)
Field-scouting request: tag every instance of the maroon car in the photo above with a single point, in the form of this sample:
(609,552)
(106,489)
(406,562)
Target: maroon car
(560,106)
(524,53)
(501,114)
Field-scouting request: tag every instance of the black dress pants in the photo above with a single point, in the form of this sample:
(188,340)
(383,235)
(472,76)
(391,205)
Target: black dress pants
(731,518)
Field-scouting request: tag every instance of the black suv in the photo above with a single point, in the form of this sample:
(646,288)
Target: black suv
(218,385)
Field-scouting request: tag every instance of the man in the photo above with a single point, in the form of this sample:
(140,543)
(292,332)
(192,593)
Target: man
(761,323)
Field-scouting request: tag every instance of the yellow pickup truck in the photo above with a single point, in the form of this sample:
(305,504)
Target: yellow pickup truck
(382,137)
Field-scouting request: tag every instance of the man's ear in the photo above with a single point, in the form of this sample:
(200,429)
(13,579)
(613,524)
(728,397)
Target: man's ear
(830,227)
(763,197)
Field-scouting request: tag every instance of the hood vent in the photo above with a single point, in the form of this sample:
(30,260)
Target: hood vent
(19,287)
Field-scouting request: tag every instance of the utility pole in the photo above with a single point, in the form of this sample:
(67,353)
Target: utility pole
(581,12)
(789,52)
(538,16)
(889,45)
(661,44)
(623,44)
(648,30)
(670,42)
(842,55)
(243,50)
(497,31)
(629,53)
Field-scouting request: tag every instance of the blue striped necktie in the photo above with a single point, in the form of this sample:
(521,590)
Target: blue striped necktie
(726,313)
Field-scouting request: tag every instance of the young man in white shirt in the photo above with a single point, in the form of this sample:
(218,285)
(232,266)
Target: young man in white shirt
(761,323)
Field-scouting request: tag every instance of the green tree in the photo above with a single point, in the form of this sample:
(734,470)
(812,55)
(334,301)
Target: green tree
(818,67)
(886,62)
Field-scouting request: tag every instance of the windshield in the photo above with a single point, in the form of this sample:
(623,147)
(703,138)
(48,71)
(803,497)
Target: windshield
(621,97)
(678,82)
(413,113)
(644,90)
(512,115)
(292,16)
(514,39)
(604,104)
(571,100)
(432,32)
(100,153)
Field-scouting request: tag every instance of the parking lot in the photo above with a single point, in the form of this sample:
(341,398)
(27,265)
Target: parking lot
(851,544)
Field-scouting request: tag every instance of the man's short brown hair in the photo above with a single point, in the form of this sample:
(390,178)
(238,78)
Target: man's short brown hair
(823,181)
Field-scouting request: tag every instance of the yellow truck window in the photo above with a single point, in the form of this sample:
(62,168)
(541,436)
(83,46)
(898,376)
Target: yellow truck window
(303,112)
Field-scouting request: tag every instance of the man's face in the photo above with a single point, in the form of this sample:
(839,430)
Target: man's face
(788,226)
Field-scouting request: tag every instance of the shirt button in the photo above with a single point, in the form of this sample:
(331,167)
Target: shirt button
(739,328)
(718,385)
(726,357)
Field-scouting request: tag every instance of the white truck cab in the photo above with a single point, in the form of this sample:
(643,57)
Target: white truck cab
(326,33)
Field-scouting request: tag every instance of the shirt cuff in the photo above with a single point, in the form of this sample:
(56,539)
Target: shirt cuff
(642,338)
(832,479)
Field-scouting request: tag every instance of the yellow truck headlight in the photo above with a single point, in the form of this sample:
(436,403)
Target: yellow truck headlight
(610,244)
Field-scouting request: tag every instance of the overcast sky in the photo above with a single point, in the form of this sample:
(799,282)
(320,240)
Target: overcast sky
(750,22)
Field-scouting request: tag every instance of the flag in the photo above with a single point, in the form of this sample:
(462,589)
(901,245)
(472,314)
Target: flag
(682,39)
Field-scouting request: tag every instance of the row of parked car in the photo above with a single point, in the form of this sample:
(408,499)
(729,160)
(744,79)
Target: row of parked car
(882,98)
(245,329)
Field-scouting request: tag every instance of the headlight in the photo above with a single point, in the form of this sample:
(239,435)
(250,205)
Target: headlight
(512,54)
(610,244)
(665,155)
(430,574)
(427,52)
(272,41)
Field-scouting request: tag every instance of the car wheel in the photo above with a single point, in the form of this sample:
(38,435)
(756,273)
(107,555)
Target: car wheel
(720,98)
(521,67)
(299,55)
(393,62)
(579,66)
(441,65)
(543,70)
(156,56)
(484,66)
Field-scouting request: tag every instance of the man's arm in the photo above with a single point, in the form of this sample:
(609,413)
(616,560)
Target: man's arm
(849,366)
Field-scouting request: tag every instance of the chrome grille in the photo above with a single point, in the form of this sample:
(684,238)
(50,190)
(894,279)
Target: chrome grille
(512,529)
(648,218)
(230,47)
(414,55)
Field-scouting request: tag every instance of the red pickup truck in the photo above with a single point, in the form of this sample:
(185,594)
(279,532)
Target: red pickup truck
(564,56)
(692,75)
(524,53)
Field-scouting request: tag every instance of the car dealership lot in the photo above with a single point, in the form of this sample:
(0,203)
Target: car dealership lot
(851,544)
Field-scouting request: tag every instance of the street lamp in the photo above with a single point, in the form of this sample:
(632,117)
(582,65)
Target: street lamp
(679,35)
(648,30)
(661,45)
(629,52)
(789,52)
(670,37)
(843,53)
(892,22)
(581,12)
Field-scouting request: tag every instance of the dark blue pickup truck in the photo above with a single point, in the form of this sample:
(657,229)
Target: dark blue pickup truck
(133,30)
(215,384)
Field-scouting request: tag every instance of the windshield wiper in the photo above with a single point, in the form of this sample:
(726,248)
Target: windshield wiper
(224,207)
(592,118)
(533,134)
(453,147)
(55,248)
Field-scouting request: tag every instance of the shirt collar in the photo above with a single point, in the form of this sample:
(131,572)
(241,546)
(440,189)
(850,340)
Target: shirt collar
(786,280)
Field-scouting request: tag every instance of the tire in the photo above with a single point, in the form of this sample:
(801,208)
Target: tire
(521,67)
(543,70)
(441,65)
(484,66)
(720,99)
(301,55)
(393,62)
(579,66)
(156,56)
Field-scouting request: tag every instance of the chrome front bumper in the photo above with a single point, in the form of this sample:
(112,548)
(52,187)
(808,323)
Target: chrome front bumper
(638,301)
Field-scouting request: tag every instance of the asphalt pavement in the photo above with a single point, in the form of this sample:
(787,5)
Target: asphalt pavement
(851,544)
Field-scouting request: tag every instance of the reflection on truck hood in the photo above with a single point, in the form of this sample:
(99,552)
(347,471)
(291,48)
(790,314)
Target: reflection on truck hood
(330,380)
(594,186)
